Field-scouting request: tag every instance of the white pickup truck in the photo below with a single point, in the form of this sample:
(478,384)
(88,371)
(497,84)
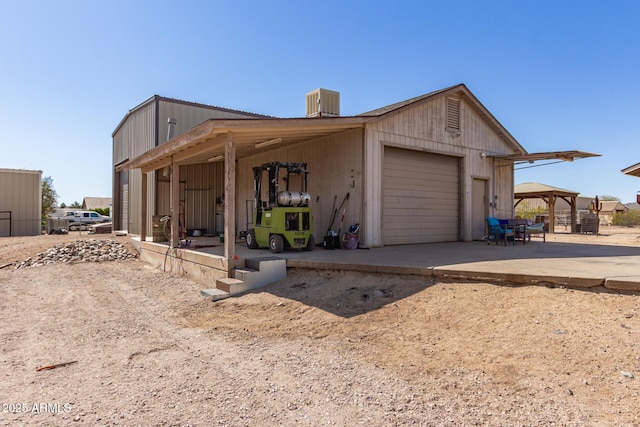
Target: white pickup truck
(83,219)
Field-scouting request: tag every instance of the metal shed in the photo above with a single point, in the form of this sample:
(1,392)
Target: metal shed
(20,202)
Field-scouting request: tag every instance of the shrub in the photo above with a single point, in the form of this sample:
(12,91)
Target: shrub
(526,211)
(103,211)
(629,218)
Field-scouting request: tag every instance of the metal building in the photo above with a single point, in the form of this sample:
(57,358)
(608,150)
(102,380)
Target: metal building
(20,202)
(424,170)
(150,125)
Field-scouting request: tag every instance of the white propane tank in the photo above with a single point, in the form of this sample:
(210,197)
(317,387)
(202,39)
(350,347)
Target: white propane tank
(293,198)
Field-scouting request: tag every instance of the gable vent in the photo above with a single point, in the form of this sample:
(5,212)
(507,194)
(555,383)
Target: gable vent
(453,115)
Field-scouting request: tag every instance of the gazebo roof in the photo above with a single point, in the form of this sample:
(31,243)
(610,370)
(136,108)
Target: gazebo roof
(535,189)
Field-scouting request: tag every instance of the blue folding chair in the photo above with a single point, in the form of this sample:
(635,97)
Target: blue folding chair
(497,231)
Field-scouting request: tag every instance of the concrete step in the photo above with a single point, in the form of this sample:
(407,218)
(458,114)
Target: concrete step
(230,285)
(258,272)
(262,271)
(215,294)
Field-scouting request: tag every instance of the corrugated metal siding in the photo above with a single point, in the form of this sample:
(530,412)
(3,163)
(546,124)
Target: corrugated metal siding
(421,197)
(187,116)
(204,184)
(136,136)
(120,149)
(335,165)
(20,193)
(124,218)
(201,185)
(120,212)
(135,205)
(140,131)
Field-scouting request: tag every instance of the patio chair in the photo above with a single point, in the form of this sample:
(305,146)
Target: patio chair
(499,232)
(535,229)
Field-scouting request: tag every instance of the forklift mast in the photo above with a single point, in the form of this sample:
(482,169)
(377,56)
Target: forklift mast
(280,197)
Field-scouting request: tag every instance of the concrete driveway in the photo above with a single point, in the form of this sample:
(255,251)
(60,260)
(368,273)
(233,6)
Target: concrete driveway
(560,260)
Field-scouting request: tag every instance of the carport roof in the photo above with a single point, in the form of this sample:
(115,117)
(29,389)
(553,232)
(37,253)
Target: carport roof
(633,170)
(207,140)
(567,156)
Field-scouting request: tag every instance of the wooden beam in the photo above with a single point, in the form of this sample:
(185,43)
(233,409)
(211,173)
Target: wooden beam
(143,209)
(203,147)
(157,165)
(174,178)
(230,204)
(552,214)
(574,215)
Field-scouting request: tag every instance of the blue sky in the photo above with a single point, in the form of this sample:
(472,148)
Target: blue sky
(559,75)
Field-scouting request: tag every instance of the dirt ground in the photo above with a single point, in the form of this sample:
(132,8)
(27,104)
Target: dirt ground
(317,348)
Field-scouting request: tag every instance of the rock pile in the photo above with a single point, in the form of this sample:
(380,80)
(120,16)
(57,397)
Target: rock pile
(91,250)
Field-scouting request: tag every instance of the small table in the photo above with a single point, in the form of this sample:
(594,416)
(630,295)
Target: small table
(519,226)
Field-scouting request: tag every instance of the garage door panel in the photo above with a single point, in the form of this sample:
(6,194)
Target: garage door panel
(420,197)
(417,211)
(419,228)
(406,176)
(415,239)
(413,163)
(425,194)
(436,219)
(437,187)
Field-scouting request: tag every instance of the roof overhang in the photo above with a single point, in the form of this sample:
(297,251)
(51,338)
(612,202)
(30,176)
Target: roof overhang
(632,170)
(206,141)
(566,156)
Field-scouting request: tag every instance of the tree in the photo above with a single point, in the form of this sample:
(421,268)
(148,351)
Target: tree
(102,211)
(62,205)
(527,211)
(49,197)
(609,198)
(75,205)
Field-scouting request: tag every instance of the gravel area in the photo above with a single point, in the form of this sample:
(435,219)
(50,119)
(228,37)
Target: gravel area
(317,348)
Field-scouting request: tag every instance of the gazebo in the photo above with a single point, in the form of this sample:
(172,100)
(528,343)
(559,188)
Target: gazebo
(534,190)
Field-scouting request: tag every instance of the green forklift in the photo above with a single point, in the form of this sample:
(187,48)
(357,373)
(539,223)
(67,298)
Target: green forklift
(282,218)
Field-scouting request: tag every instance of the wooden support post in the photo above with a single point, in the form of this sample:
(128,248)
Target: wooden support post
(552,214)
(230,204)
(174,177)
(143,209)
(574,214)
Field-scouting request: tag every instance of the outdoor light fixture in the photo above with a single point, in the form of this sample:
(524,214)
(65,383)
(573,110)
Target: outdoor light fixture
(269,142)
(216,158)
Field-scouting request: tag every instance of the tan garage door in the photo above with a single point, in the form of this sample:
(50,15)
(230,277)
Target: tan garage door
(421,197)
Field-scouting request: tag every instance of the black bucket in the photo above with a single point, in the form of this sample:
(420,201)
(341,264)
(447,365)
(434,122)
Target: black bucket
(331,242)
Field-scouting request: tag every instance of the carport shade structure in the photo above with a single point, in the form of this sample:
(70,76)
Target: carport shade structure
(547,193)
(228,139)
(633,170)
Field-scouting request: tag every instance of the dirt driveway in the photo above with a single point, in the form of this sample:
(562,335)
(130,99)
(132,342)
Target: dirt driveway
(318,348)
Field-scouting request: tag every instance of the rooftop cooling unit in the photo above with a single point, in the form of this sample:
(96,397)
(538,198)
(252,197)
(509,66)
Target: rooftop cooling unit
(323,103)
